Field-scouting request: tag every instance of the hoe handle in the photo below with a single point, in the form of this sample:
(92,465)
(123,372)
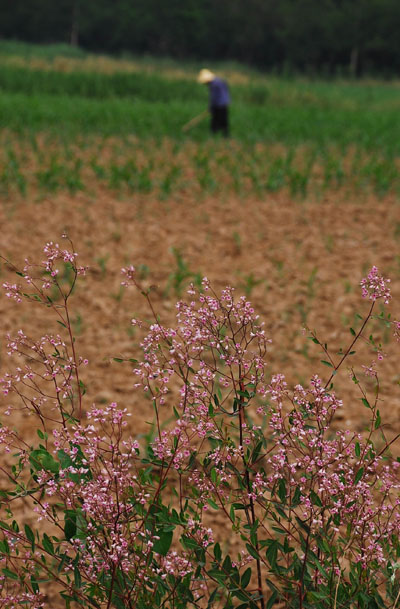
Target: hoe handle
(194,121)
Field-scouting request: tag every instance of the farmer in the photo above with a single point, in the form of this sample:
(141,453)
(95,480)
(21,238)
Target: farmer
(219,100)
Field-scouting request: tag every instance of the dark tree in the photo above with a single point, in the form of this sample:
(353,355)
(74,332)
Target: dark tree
(353,36)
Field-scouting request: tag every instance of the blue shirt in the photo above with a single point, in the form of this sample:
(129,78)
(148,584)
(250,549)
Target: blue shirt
(219,93)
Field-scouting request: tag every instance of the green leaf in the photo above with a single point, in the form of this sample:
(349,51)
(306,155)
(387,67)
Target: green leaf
(118,603)
(272,552)
(296,497)
(271,600)
(281,512)
(245,579)
(303,525)
(15,526)
(34,584)
(366,403)
(357,449)
(378,420)
(315,499)
(77,577)
(82,386)
(212,504)
(92,602)
(67,599)
(81,525)
(282,490)
(252,551)
(238,506)
(217,552)
(118,359)
(279,530)
(271,585)
(227,564)
(10,574)
(323,361)
(359,475)
(353,332)
(162,545)
(256,451)
(217,575)
(30,536)
(188,543)
(48,544)
(316,596)
(211,599)
(42,459)
(319,566)
(64,459)
(69,524)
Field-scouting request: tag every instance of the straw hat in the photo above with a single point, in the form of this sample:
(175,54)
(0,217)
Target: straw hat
(205,76)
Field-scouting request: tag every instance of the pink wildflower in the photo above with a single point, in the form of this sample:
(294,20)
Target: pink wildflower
(375,286)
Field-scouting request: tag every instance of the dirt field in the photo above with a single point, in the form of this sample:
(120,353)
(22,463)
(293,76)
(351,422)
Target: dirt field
(299,262)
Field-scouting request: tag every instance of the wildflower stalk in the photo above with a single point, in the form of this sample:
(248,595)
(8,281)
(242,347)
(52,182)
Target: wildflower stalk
(349,348)
(131,520)
(252,517)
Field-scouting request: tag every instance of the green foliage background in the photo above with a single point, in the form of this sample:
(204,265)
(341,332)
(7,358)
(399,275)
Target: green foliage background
(329,36)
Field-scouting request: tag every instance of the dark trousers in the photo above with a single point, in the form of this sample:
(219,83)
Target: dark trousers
(219,120)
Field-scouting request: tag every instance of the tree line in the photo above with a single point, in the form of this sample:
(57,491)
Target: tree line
(353,37)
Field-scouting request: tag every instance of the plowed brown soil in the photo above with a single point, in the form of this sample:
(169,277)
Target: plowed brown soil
(300,263)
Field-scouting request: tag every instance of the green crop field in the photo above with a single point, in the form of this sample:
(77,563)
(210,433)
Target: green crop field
(295,133)
(155,101)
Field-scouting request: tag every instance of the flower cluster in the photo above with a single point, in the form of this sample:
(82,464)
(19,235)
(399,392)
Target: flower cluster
(46,274)
(15,599)
(13,291)
(47,366)
(129,272)
(375,286)
(339,480)
(218,343)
